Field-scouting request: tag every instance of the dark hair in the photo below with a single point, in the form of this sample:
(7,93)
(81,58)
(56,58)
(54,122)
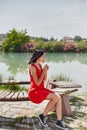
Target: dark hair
(37,54)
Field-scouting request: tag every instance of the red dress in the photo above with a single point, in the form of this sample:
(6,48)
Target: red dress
(37,93)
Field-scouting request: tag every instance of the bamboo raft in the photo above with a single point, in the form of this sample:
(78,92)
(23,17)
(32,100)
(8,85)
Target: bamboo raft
(12,96)
(23,95)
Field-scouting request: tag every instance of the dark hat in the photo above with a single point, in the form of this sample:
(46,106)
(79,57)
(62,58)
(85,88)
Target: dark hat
(37,54)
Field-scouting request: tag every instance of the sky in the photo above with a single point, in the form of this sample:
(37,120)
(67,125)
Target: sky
(45,18)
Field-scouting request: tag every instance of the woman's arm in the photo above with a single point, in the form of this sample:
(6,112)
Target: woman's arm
(34,75)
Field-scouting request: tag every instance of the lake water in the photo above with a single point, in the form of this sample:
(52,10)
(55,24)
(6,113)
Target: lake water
(72,65)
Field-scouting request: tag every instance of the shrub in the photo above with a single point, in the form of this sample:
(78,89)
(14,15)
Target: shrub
(71,47)
(83,46)
(28,47)
(62,77)
(13,87)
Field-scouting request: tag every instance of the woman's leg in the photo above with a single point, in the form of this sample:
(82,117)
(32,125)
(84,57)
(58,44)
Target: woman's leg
(55,101)
(59,108)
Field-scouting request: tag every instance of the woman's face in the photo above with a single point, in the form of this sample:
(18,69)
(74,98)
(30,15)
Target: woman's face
(41,59)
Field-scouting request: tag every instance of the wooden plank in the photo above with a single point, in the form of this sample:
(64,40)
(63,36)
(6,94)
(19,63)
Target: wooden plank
(65,91)
(8,97)
(25,95)
(20,96)
(65,84)
(2,96)
(10,83)
(3,93)
(15,96)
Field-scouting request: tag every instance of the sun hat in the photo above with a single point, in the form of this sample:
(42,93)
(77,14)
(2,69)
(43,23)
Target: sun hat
(37,54)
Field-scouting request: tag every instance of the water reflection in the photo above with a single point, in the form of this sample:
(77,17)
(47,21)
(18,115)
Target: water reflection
(74,65)
(64,57)
(16,61)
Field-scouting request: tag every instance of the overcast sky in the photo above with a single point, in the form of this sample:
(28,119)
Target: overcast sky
(45,18)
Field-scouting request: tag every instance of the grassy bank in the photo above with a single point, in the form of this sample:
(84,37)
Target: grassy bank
(12,87)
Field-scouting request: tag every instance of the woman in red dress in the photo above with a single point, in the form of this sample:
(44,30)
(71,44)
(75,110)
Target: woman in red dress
(38,93)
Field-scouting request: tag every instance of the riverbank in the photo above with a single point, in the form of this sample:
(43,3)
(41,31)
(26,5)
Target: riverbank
(23,115)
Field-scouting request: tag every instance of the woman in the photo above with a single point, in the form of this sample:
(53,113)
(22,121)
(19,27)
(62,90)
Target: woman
(37,93)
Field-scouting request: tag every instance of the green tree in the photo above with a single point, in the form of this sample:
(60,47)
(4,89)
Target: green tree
(77,38)
(39,40)
(15,39)
(52,39)
(83,46)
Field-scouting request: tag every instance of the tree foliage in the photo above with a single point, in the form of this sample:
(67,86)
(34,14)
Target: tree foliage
(83,46)
(15,39)
(77,38)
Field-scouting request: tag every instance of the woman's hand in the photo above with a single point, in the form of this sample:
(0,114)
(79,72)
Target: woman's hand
(45,68)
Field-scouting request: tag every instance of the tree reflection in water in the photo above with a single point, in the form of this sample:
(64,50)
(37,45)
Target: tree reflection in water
(73,65)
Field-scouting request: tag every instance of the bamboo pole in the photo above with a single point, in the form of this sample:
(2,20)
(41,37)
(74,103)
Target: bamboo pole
(13,82)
